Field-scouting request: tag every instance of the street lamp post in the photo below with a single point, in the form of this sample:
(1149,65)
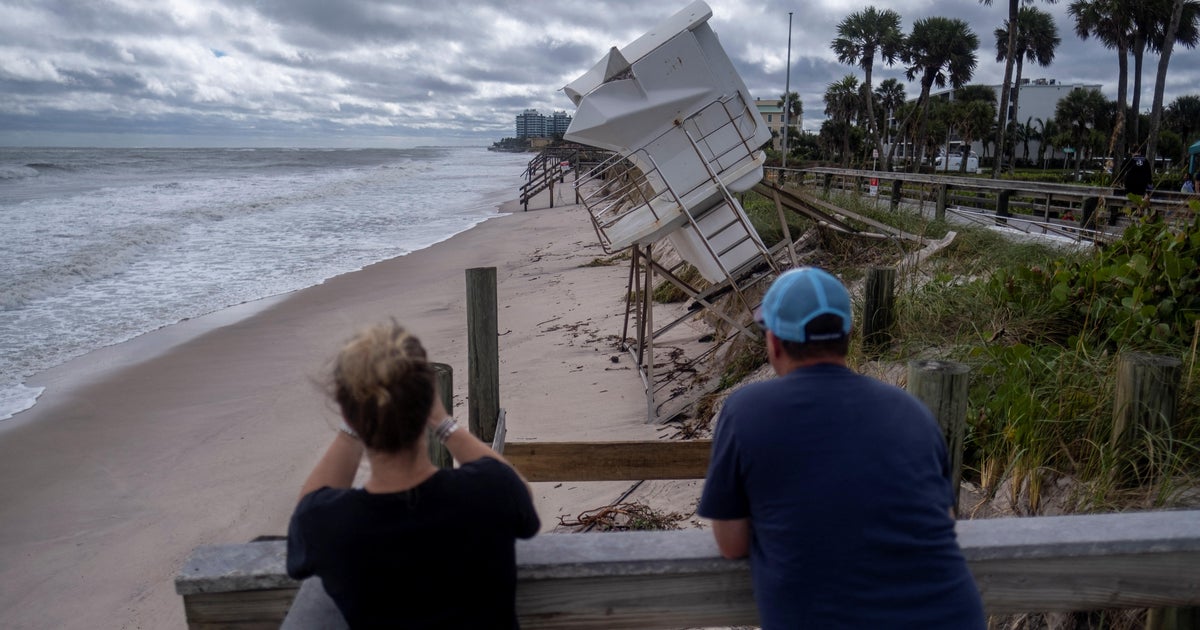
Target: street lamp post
(787,92)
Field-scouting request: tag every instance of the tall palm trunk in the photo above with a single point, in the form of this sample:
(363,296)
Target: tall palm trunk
(1138,50)
(872,124)
(1122,99)
(1160,80)
(1013,10)
(919,145)
(1016,101)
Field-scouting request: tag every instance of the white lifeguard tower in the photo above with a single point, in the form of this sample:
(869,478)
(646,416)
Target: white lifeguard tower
(686,136)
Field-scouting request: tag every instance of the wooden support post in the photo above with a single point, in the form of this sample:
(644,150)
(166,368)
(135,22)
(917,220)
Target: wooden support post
(897,192)
(552,178)
(1147,390)
(942,386)
(1144,405)
(1087,210)
(483,353)
(445,388)
(1002,204)
(940,209)
(649,338)
(828,182)
(879,307)
(787,231)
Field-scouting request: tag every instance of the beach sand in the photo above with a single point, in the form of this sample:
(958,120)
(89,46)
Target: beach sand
(203,432)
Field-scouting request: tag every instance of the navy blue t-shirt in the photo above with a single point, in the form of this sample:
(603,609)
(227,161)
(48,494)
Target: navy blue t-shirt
(404,559)
(845,482)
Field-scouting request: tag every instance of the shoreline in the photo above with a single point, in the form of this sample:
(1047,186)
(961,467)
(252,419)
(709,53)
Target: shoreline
(112,478)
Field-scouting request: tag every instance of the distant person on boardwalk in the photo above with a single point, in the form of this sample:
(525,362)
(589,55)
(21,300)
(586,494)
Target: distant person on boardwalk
(401,551)
(1137,175)
(836,485)
(1189,183)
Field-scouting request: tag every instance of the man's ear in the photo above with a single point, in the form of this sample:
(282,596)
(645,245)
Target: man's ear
(774,346)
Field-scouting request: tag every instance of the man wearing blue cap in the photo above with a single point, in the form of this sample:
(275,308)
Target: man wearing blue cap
(836,485)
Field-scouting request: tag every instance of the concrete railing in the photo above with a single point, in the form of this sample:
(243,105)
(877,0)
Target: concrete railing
(677,579)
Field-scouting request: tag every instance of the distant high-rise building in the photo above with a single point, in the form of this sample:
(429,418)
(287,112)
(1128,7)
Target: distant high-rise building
(558,123)
(532,124)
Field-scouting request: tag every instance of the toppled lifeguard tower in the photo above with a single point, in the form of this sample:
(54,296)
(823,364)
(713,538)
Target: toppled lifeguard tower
(686,137)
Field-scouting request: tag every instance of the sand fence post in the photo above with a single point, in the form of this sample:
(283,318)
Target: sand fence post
(444,374)
(879,307)
(897,193)
(942,386)
(483,353)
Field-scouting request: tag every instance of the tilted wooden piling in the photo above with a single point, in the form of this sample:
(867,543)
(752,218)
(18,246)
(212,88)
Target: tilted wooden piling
(483,353)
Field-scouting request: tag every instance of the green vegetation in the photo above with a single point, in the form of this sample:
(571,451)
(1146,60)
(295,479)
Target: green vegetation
(1042,328)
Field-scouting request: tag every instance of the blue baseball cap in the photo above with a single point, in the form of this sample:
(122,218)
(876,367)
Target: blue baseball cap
(799,296)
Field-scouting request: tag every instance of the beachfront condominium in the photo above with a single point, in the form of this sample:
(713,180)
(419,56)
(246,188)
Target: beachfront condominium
(533,124)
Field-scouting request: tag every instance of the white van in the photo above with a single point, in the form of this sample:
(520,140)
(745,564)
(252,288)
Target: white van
(939,163)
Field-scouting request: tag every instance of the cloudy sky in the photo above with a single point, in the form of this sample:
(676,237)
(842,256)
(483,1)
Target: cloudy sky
(410,72)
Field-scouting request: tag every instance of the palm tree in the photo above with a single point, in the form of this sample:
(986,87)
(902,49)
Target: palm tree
(891,96)
(1013,18)
(860,37)
(939,50)
(842,105)
(973,111)
(1183,116)
(793,110)
(1183,28)
(1109,22)
(1180,28)
(1079,113)
(1036,40)
(1046,131)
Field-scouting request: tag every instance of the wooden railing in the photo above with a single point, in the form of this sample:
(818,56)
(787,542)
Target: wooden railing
(1085,212)
(676,579)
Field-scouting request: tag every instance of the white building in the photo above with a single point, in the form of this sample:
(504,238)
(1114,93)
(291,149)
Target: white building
(1037,100)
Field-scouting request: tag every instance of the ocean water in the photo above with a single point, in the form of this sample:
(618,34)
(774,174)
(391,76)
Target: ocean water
(98,246)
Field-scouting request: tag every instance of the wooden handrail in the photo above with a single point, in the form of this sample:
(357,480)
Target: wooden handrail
(677,579)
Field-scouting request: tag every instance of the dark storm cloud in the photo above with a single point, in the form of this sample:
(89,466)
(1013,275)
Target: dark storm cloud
(318,72)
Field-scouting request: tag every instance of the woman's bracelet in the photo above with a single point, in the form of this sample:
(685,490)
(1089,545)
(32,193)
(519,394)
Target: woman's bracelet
(345,428)
(444,429)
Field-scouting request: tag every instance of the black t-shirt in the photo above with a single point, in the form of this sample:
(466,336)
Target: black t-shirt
(410,559)
(1138,177)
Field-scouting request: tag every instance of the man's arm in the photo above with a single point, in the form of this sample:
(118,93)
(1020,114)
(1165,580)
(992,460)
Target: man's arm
(733,537)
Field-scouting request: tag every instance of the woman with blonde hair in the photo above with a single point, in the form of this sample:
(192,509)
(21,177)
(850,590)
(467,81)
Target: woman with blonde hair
(398,551)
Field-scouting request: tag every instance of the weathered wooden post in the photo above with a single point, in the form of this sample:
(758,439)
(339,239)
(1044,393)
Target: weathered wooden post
(897,192)
(942,386)
(940,211)
(1145,403)
(828,182)
(1002,206)
(879,307)
(1087,210)
(1147,389)
(483,353)
(445,387)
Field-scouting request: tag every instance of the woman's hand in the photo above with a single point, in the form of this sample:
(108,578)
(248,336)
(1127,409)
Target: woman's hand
(437,412)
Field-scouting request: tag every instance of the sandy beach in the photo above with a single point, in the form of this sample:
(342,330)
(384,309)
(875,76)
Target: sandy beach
(203,432)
